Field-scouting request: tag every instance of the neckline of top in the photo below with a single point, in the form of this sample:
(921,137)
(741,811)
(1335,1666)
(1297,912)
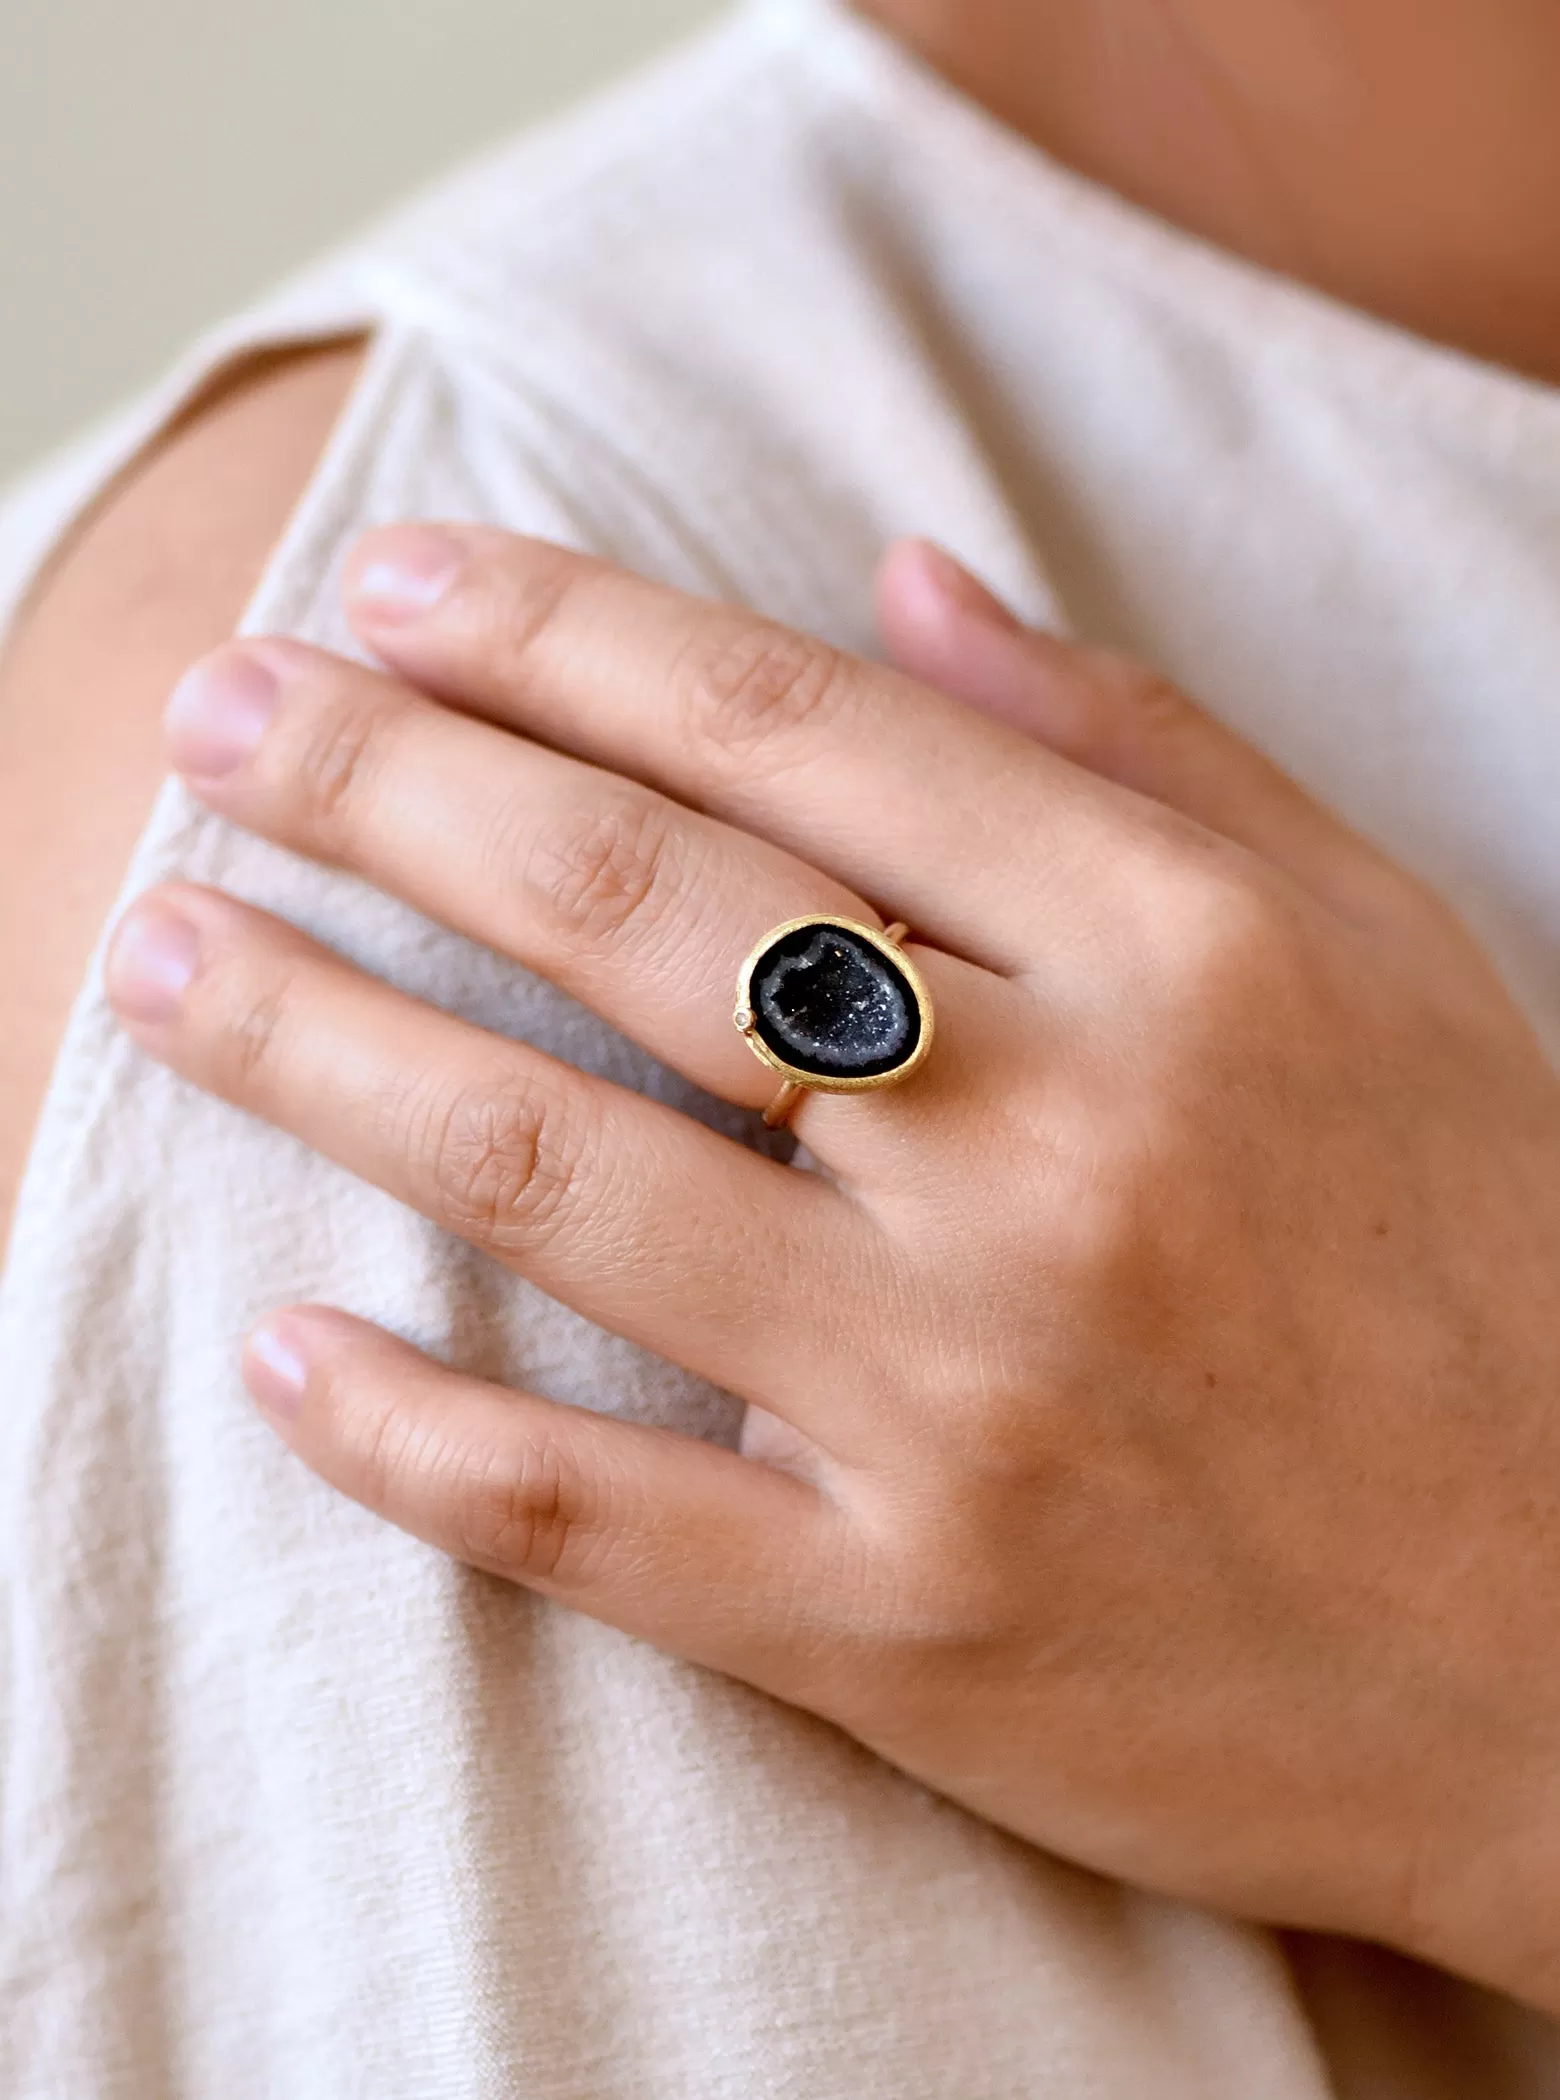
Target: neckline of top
(1358,352)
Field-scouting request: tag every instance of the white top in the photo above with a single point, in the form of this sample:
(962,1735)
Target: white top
(294,1806)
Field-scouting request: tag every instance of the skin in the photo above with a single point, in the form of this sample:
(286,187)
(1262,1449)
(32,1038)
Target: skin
(1151,1457)
(1244,1592)
(158,574)
(1401,156)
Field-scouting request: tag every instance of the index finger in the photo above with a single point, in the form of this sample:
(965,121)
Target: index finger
(916,801)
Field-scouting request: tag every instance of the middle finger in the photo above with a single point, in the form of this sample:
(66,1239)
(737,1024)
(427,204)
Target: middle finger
(944,816)
(635,905)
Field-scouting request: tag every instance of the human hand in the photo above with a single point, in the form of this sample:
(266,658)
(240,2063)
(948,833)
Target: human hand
(1153,1440)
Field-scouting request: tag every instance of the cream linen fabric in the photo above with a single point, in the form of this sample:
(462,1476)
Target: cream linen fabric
(294,1807)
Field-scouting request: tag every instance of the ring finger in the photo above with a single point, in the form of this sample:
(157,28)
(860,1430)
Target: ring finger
(639,1218)
(634,904)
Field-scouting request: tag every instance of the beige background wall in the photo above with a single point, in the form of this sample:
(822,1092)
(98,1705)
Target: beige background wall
(160,159)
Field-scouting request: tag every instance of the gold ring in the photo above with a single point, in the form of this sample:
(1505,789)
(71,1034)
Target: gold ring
(834,1007)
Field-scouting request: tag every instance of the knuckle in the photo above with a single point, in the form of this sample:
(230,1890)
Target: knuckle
(1125,707)
(498,1166)
(951,1579)
(1222,956)
(388,1453)
(514,607)
(1161,710)
(254,1038)
(753,692)
(342,755)
(527,1513)
(1145,726)
(1217,925)
(599,876)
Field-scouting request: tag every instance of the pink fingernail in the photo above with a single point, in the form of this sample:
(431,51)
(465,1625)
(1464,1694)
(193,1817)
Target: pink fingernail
(401,575)
(150,964)
(953,583)
(218,714)
(275,1373)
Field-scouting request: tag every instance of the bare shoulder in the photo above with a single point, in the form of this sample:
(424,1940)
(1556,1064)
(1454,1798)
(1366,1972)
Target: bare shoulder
(159,573)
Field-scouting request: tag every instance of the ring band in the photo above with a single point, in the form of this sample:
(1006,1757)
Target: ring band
(834,1007)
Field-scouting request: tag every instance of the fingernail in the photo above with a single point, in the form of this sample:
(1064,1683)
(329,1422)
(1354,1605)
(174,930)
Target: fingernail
(218,714)
(151,962)
(275,1373)
(953,584)
(403,574)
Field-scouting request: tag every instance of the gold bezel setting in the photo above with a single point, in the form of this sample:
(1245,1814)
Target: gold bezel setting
(887,945)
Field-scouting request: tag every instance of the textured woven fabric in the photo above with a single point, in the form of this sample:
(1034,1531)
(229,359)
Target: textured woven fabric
(292,1805)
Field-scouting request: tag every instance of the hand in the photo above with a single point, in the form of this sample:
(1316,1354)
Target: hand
(1154,1441)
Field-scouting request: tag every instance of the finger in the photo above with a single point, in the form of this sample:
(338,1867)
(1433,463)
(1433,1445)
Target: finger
(635,905)
(902,793)
(1111,715)
(726,1562)
(641,1219)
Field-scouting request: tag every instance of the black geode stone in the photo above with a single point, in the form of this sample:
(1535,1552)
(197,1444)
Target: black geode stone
(831,1004)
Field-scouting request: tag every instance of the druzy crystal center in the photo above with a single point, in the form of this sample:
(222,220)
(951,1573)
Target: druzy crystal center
(828,1002)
